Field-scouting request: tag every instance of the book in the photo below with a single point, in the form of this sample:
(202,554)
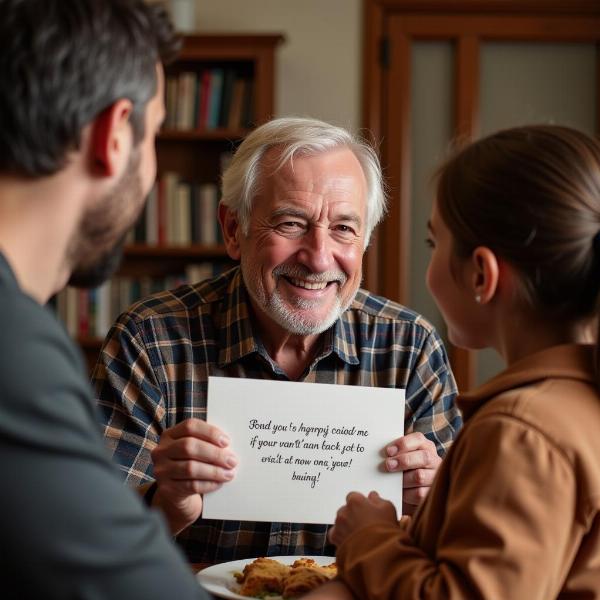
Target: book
(194,218)
(151,216)
(214,103)
(247,116)
(83,312)
(195,273)
(186,90)
(207,214)
(234,120)
(182,214)
(166,220)
(226,96)
(171,102)
(204,103)
(102,313)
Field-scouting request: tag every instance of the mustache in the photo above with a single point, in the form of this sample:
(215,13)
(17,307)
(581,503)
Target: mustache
(300,272)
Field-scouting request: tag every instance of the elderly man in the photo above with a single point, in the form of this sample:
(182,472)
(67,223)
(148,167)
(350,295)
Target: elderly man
(300,201)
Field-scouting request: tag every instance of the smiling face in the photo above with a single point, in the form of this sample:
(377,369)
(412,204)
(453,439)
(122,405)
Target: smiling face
(302,258)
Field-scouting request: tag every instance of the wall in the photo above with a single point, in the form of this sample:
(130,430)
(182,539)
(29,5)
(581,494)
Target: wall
(520,83)
(319,65)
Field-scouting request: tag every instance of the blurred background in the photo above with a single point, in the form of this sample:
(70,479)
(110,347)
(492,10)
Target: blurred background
(412,75)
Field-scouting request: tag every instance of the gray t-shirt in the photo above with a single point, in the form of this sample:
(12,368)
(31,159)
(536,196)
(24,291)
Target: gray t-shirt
(69,527)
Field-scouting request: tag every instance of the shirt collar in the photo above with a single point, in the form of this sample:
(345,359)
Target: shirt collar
(569,361)
(344,342)
(237,337)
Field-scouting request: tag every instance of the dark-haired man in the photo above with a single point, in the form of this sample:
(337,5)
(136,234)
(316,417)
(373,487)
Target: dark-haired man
(81,99)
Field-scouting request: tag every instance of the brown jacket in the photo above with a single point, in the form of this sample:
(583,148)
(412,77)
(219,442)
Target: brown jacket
(514,511)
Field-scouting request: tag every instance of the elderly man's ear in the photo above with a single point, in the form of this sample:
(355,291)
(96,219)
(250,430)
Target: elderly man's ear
(230,227)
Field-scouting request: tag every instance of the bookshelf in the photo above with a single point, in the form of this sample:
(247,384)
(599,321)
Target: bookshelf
(220,87)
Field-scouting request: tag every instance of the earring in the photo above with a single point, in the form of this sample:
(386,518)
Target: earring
(478,299)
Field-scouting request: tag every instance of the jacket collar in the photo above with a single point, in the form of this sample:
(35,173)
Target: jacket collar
(569,361)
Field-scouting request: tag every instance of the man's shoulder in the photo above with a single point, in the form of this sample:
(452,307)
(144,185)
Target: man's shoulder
(36,350)
(369,306)
(25,322)
(183,301)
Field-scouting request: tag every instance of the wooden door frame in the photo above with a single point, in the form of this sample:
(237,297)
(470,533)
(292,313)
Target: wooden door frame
(386,73)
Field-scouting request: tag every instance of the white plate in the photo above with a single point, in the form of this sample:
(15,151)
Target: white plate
(219,579)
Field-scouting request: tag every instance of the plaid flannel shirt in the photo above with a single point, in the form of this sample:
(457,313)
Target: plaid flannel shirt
(153,373)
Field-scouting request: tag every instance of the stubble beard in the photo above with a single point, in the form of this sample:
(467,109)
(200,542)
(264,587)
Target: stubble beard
(99,229)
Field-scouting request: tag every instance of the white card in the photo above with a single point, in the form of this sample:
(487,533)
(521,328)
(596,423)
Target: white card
(302,447)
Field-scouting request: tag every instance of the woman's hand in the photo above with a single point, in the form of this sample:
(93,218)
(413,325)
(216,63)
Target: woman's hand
(361,511)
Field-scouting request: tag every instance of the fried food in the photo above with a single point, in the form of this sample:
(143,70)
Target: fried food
(262,576)
(265,576)
(305,575)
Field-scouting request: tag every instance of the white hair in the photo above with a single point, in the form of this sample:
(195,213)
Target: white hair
(297,136)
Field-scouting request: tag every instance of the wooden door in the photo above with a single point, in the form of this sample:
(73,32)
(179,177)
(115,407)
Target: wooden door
(392,28)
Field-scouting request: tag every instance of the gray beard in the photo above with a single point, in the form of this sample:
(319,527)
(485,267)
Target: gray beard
(277,309)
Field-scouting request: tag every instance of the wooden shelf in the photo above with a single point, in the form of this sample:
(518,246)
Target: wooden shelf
(223,47)
(193,252)
(163,261)
(197,156)
(196,135)
(89,343)
(90,346)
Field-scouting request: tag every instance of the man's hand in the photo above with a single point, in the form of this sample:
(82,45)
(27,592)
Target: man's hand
(360,511)
(192,458)
(417,457)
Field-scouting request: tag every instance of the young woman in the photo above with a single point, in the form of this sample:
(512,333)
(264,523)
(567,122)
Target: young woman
(514,511)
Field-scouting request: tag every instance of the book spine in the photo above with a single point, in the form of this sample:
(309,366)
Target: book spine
(216,90)
(204,99)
